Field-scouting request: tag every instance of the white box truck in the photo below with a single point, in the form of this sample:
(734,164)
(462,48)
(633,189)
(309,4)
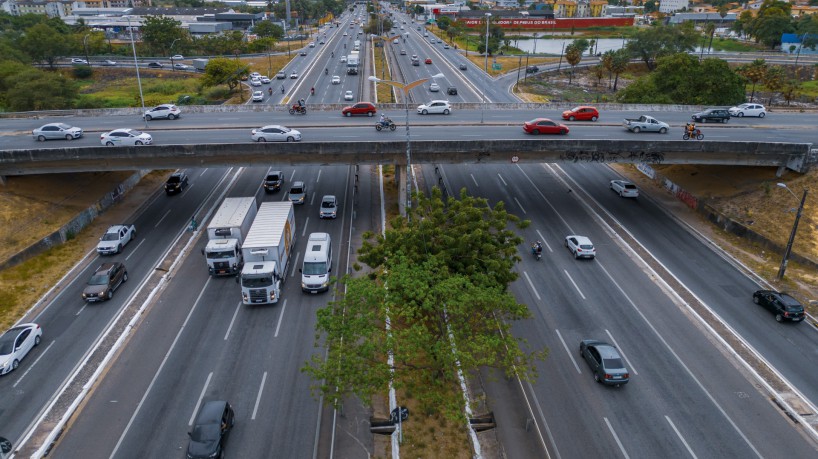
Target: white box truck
(267,249)
(352,64)
(317,263)
(226,233)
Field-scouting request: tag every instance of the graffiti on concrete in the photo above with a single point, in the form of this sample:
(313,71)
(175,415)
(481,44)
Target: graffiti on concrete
(682,194)
(602,157)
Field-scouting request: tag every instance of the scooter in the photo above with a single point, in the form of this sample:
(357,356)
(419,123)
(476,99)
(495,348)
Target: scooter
(384,125)
(298,110)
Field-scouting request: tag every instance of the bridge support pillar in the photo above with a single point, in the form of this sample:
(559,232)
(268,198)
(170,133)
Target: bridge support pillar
(400,173)
(2,180)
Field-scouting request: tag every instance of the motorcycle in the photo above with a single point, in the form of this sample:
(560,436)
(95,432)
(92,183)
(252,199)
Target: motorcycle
(537,253)
(384,125)
(696,135)
(298,110)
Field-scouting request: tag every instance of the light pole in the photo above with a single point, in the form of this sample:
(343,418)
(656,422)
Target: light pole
(406,87)
(136,64)
(798,54)
(171,53)
(787,251)
(488,19)
(85,45)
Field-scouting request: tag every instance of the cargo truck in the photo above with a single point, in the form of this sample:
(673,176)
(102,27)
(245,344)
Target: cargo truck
(352,64)
(200,64)
(267,250)
(226,233)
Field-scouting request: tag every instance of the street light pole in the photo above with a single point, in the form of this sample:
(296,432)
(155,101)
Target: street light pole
(171,53)
(136,64)
(488,18)
(85,45)
(787,251)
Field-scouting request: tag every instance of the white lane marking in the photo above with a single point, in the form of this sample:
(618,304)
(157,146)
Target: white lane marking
(631,368)
(471,135)
(297,256)
(521,206)
(280,318)
(292,175)
(82,308)
(542,239)
(501,179)
(304,231)
(312,199)
(163,217)
(568,351)
(229,327)
(134,250)
(532,285)
(318,179)
(544,421)
(616,437)
(258,397)
(679,434)
(203,171)
(32,365)
(575,284)
(199,402)
(474,180)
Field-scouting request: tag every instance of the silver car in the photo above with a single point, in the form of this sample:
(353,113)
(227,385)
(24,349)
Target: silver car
(275,133)
(625,188)
(605,362)
(16,344)
(436,106)
(329,207)
(125,137)
(580,246)
(57,131)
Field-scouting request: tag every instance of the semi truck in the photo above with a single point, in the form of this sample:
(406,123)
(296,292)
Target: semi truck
(352,64)
(226,233)
(267,250)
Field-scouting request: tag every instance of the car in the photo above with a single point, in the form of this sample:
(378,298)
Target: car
(108,62)
(446,46)
(181,66)
(294,75)
(343,59)
(435,106)
(784,306)
(451,90)
(303,53)
(348,95)
(415,62)
(265,79)
(168,111)
(361,108)
(336,79)
(346,34)
(606,363)
(176,183)
(312,44)
(115,238)
(56,131)
(298,192)
(16,343)
(539,126)
(624,188)
(125,137)
(258,96)
(273,181)
(329,207)
(532,69)
(395,41)
(105,280)
(155,65)
(414,57)
(210,430)
(581,113)
(254,75)
(403,52)
(321,42)
(78,61)
(712,114)
(281,75)
(580,246)
(177,57)
(425,34)
(428,61)
(748,110)
(434,87)
(275,133)
(255,82)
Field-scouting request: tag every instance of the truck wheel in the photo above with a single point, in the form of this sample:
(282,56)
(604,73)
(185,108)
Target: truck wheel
(663,131)
(637,130)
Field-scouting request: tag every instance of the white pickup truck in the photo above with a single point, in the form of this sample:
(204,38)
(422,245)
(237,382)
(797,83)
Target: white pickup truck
(646,123)
(117,237)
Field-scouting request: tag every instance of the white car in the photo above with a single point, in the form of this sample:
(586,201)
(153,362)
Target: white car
(79,61)
(294,75)
(168,111)
(255,75)
(625,188)
(748,110)
(348,95)
(265,79)
(336,79)
(108,62)
(125,137)
(177,57)
(436,106)
(16,344)
(580,246)
(275,133)
(258,96)
(255,82)
(343,58)
(345,34)
(434,87)
(181,66)
(329,207)
(281,76)
(56,131)
(312,44)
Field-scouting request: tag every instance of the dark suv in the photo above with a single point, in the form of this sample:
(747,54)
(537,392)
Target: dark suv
(210,431)
(532,69)
(782,305)
(107,278)
(273,181)
(712,114)
(176,183)
(451,90)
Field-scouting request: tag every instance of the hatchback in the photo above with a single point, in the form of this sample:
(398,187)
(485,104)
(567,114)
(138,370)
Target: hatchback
(107,278)
(544,126)
(294,75)
(361,108)
(155,65)
(298,192)
(210,430)
(281,75)
(176,183)
(434,87)
(463,67)
(16,344)
(782,305)
(580,246)
(581,113)
(57,131)
(125,137)
(348,95)
(79,61)
(180,66)
(436,106)
(275,133)
(336,79)
(273,180)
(428,60)
(605,362)
(748,110)
(168,111)
(329,207)
(177,57)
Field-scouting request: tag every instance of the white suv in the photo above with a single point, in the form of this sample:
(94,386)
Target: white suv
(580,246)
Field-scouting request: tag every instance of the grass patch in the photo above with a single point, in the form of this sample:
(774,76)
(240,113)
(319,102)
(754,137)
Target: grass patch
(384,92)
(732,45)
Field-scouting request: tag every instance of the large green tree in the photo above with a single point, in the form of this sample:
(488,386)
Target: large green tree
(222,70)
(754,72)
(573,54)
(651,43)
(34,89)
(266,29)
(46,44)
(159,33)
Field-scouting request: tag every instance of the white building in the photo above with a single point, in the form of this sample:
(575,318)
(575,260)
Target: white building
(671,6)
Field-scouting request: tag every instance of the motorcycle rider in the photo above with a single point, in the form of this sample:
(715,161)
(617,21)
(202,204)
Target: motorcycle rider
(382,120)
(691,129)
(282,89)
(332,54)
(326,71)
(312,91)
(270,91)
(536,248)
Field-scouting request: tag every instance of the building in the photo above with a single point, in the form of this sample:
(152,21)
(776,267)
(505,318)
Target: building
(672,6)
(791,43)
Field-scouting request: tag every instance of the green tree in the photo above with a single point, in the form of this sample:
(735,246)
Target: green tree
(441,278)
(45,44)
(222,70)
(643,91)
(753,72)
(266,29)
(34,89)
(599,72)
(791,90)
(573,54)
(774,80)
(607,62)
(709,31)
(444,22)
(159,32)
(621,60)
(658,40)
(807,30)
(768,29)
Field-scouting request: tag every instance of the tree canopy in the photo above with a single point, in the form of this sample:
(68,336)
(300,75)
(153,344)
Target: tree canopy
(651,43)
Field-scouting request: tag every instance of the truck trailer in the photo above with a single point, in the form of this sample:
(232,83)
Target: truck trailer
(267,250)
(226,233)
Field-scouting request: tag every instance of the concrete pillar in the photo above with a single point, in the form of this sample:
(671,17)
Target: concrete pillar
(400,173)
(2,180)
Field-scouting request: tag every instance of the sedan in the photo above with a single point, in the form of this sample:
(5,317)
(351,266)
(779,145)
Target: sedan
(57,131)
(109,62)
(348,95)
(403,52)
(748,110)
(255,82)
(434,87)
(181,66)
(294,75)
(625,189)
(581,113)
(168,111)
(265,79)
(155,65)
(177,57)
(605,362)
(258,96)
(435,106)
(16,344)
(336,79)
(712,114)
(544,126)
(303,53)
(580,246)
(463,67)
(210,431)
(361,108)
(275,133)
(781,304)
(79,61)
(125,137)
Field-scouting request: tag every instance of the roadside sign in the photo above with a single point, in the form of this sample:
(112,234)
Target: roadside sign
(515,158)
(496,66)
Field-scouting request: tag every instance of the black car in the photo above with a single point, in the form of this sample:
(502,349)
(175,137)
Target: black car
(463,67)
(273,180)
(176,183)
(155,65)
(451,90)
(782,305)
(712,114)
(107,278)
(605,362)
(210,430)
(532,69)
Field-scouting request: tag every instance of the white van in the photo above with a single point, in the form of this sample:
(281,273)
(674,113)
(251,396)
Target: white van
(317,263)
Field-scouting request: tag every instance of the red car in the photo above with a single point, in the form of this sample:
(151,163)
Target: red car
(581,113)
(361,108)
(428,61)
(544,126)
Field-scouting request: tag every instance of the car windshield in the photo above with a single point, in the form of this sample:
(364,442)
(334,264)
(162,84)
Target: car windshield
(205,433)
(98,279)
(296,190)
(327,204)
(110,237)
(272,178)
(612,364)
(218,254)
(575,109)
(173,179)
(314,268)
(6,344)
(254,282)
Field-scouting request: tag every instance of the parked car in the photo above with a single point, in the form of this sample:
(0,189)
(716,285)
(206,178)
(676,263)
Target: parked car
(544,126)
(580,246)
(781,304)
(581,113)
(336,79)
(176,183)
(168,111)
(712,114)
(105,280)
(605,361)
(361,108)
(298,192)
(329,207)
(434,87)
(52,131)
(275,133)
(210,431)
(130,137)
(625,188)
(748,110)
(258,96)
(16,343)
(155,65)
(435,106)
